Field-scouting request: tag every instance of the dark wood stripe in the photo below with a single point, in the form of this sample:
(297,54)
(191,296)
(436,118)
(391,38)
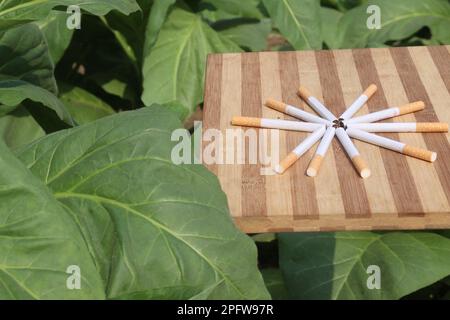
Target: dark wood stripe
(415,90)
(253,183)
(213,91)
(441,58)
(404,191)
(352,186)
(303,190)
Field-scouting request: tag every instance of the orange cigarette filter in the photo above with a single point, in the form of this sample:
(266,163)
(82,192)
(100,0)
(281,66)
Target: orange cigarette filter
(246,121)
(419,153)
(361,166)
(411,107)
(431,127)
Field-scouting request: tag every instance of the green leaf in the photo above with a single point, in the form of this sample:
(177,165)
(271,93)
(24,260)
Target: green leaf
(56,33)
(334,265)
(250,35)
(38,240)
(298,21)
(174,69)
(244,9)
(26,71)
(84,106)
(24,56)
(330,19)
(155,229)
(14,92)
(273,278)
(399,19)
(13,12)
(18,128)
(155,21)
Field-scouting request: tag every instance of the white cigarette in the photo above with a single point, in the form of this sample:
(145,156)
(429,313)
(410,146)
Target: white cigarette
(353,153)
(303,147)
(388,113)
(359,102)
(322,149)
(400,127)
(295,112)
(316,104)
(392,145)
(275,124)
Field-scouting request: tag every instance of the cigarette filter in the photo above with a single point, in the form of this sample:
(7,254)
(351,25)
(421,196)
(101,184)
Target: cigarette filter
(295,112)
(322,149)
(359,102)
(303,147)
(392,145)
(315,104)
(401,127)
(388,113)
(353,153)
(275,124)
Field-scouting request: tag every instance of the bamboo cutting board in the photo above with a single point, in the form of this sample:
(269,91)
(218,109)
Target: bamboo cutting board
(402,193)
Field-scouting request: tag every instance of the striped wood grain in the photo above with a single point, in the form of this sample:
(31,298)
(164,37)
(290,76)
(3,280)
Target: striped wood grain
(402,193)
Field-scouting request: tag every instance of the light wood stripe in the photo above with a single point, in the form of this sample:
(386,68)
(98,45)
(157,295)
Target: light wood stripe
(351,184)
(278,191)
(432,197)
(378,187)
(302,188)
(329,202)
(404,190)
(415,90)
(230,106)
(253,183)
(213,88)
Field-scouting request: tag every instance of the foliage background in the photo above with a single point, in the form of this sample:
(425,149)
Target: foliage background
(150,55)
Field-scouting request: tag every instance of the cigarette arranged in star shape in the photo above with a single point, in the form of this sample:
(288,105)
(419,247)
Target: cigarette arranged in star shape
(325,126)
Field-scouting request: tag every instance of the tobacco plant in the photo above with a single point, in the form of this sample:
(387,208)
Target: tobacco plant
(86,180)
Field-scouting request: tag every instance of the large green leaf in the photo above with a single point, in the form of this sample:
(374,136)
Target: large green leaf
(399,19)
(330,33)
(24,56)
(250,35)
(19,128)
(56,33)
(84,106)
(334,265)
(245,9)
(155,229)
(14,92)
(26,71)
(173,71)
(298,21)
(155,21)
(39,240)
(13,12)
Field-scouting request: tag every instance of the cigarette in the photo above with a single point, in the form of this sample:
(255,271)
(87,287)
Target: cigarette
(392,145)
(359,102)
(275,124)
(315,104)
(303,147)
(322,149)
(389,113)
(353,153)
(401,127)
(295,112)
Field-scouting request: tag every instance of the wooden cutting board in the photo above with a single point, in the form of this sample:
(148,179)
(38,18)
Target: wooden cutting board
(402,193)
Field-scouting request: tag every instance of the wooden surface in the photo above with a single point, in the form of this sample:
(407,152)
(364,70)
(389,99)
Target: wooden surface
(402,193)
